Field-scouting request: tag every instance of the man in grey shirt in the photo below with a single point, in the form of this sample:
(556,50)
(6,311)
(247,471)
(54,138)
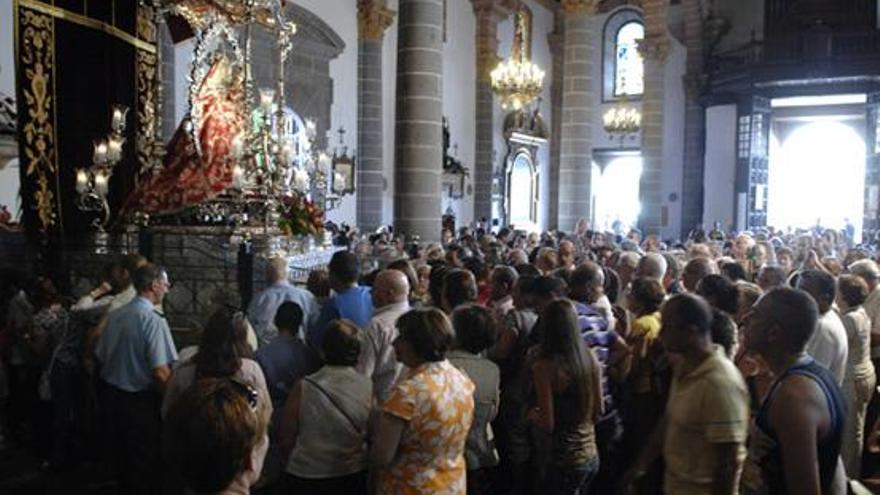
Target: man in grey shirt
(264,306)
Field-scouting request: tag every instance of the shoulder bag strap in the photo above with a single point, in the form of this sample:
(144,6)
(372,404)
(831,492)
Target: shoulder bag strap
(336,405)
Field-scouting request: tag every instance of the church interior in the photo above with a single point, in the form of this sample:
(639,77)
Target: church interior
(212,137)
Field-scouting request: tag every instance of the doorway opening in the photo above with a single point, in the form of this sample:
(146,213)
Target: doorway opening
(615,186)
(816,177)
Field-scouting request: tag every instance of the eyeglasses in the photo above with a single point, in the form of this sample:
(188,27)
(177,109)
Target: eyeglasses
(249,393)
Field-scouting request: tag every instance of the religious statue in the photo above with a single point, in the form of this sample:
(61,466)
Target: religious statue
(189,177)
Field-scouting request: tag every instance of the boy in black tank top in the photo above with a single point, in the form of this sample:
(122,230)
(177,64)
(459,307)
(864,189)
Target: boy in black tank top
(795,445)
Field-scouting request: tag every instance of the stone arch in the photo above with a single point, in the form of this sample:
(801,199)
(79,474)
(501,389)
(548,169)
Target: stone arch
(309,87)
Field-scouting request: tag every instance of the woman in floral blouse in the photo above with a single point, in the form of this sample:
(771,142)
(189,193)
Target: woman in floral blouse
(420,439)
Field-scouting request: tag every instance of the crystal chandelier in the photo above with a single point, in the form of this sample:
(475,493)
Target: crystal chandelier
(517,81)
(621,122)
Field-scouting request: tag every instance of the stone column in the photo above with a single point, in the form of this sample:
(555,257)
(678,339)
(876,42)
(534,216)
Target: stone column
(555,40)
(373,19)
(418,130)
(486,59)
(576,144)
(692,194)
(654,49)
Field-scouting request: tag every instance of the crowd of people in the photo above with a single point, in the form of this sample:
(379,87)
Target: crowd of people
(491,363)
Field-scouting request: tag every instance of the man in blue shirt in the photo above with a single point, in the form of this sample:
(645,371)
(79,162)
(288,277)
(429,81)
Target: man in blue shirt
(264,306)
(350,302)
(135,353)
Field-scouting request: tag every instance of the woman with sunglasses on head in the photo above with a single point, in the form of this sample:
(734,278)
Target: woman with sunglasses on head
(568,400)
(324,422)
(222,353)
(216,436)
(425,421)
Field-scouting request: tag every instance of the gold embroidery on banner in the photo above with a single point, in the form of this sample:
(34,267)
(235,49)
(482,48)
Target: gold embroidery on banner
(146,118)
(37,58)
(146,91)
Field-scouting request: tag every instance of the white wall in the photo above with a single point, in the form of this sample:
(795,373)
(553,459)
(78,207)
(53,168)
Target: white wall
(673,137)
(7,49)
(459,98)
(720,171)
(9,185)
(389,111)
(183,56)
(9,176)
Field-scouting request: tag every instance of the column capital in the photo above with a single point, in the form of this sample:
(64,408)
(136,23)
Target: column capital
(579,7)
(654,47)
(373,19)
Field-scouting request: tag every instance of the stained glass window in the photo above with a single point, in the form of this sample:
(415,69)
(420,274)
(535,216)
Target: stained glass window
(628,67)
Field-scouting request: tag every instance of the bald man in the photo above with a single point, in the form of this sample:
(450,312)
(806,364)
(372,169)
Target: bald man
(377,359)
(652,265)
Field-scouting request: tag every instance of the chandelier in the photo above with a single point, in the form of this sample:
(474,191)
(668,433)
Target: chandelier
(621,122)
(517,81)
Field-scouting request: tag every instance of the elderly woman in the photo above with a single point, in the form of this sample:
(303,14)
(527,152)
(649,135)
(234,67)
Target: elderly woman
(216,436)
(223,353)
(421,433)
(325,421)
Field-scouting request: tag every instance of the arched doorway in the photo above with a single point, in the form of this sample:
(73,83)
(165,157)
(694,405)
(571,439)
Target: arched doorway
(817,175)
(615,188)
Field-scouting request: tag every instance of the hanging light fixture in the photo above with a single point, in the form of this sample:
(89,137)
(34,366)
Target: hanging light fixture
(517,81)
(621,121)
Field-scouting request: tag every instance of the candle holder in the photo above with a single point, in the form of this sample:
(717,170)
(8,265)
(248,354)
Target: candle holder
(93,182)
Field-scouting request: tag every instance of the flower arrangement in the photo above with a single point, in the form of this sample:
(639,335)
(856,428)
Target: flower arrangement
(299,216)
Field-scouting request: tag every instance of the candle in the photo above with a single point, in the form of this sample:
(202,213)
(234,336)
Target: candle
(238,177)
(114,149)
(288,150)
(338,183)
(311,130)
(101,183)
(117,121)
(324,163)
(82,181)
(237,146)
(100,155)
(300,180)
(267,100)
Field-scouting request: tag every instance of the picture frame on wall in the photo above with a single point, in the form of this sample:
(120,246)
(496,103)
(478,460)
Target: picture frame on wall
(342,176)
(454,184)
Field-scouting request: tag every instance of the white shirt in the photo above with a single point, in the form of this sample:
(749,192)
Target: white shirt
(377,359)
(829,346)
(872,307)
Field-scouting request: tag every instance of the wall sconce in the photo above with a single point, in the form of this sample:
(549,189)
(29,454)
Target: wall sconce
(93,182)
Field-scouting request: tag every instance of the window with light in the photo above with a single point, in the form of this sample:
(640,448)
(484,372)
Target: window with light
(628,66)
